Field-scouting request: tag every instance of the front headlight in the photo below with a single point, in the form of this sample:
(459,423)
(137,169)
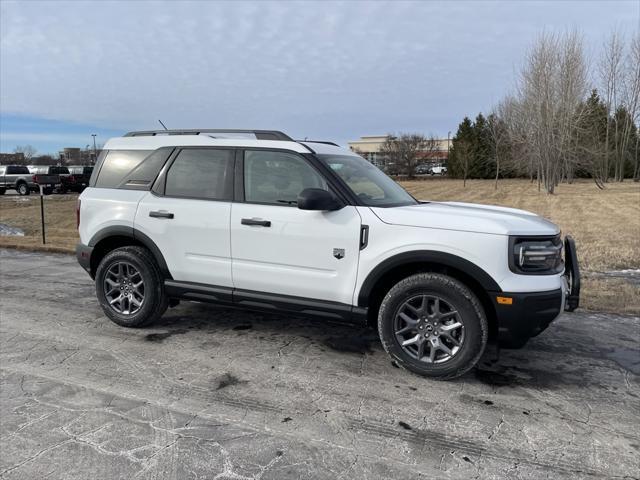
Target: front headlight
(536,255)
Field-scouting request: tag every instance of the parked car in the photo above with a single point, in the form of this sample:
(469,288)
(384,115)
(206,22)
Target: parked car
(66,181)
(438,170)
(422,169)
(16,177)
(309,228)
(81,175)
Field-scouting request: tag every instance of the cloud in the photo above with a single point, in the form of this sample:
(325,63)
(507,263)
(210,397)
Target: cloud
(312,69)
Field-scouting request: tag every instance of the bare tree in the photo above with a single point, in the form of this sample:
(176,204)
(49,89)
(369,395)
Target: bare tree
(550,91)
(499,135)
(464,154)
(610,72)
(27,151)
(404,151)
(630,114)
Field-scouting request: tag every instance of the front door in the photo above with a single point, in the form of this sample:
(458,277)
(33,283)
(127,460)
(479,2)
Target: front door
(279,249)
(188,215)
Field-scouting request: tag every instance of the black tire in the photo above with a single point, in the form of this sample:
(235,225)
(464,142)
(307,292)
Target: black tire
(461,299)
(2,191)
(155,301)
(23,189)
(47,191)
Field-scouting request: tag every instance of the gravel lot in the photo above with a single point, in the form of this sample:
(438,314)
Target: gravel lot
(223,394)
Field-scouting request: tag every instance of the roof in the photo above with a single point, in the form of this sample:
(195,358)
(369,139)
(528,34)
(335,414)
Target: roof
(323,148)
(153,140)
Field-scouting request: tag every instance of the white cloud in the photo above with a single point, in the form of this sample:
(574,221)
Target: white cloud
(317,69)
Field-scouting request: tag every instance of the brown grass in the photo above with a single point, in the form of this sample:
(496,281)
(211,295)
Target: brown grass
(24,213)
(605,224)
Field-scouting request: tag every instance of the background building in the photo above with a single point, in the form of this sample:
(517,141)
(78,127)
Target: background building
(369,147)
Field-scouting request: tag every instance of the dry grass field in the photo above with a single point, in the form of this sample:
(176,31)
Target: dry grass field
(605,224)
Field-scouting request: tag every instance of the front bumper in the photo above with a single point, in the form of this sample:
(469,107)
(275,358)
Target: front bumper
(527,315)
(521,316)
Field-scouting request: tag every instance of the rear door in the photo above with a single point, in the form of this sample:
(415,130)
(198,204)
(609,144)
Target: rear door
(187,214)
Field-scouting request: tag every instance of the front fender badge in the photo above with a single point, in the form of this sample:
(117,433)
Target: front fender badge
(338,253)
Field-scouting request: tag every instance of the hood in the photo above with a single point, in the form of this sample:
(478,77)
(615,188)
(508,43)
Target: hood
(468,217)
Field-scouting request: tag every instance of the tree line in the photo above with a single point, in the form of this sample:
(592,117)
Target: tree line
(560,122)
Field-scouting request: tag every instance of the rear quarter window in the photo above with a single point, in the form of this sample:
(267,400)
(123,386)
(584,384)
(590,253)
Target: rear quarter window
(129,169)
(17,170)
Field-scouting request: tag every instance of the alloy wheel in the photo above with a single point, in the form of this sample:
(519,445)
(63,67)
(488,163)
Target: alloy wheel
(429,329)
(124,288)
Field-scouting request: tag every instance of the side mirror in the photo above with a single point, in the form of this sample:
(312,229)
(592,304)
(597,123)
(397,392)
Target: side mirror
(318,199)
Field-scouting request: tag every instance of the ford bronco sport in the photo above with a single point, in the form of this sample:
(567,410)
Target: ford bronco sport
(257,220)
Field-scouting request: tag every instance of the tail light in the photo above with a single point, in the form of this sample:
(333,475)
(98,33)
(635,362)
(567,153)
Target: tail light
(78,214)
(34,178)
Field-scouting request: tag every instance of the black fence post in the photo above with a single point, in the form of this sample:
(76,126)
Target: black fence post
(44,240)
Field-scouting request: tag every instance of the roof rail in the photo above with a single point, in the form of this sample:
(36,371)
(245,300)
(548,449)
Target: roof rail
(319,141)
(260,134)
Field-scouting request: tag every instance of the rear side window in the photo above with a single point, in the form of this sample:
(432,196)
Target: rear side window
(201,173)
(17,170)
(117,164)
(142,176)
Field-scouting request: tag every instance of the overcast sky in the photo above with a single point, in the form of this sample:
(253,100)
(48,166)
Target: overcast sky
(320,70)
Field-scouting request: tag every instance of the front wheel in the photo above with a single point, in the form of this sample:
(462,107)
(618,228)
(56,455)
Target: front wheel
(130,287)
(433,325)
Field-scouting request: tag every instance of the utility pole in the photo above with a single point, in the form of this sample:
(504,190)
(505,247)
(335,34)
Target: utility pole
(95,154)
(448,145)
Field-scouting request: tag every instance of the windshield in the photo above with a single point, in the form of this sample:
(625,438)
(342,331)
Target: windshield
(368,183)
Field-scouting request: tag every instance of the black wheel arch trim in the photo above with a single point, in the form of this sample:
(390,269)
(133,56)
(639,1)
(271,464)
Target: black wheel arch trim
(131,232)
(425,256)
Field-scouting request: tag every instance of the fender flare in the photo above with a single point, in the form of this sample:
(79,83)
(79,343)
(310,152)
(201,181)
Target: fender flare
(425,256)
(137,235)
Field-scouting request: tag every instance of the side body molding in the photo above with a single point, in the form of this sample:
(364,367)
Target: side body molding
(425,257)
(130,232)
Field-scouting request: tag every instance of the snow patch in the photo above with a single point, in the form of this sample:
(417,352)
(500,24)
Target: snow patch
(7,231)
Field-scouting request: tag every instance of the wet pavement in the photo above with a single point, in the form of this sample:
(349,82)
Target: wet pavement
(224,394)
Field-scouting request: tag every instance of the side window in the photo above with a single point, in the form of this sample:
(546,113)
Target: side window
(277,177)
(16,170)
(117,164)
(201,173)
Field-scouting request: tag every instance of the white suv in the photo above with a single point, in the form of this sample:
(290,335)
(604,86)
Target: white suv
(257,220)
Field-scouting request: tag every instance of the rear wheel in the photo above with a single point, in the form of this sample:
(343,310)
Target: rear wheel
(433,325)
(130,287)
(2,191)
(23,189)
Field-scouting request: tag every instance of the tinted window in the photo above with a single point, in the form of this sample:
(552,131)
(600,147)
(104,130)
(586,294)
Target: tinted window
(277,177)
(142,176)
(58,170)
(201,173)
(117,164)
(17,170)
(96,171)
(367,182)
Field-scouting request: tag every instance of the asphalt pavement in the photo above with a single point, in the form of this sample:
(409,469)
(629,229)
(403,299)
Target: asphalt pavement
(225,394)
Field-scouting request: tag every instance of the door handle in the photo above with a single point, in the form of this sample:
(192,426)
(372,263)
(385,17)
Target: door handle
(252,221)
(161,214)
